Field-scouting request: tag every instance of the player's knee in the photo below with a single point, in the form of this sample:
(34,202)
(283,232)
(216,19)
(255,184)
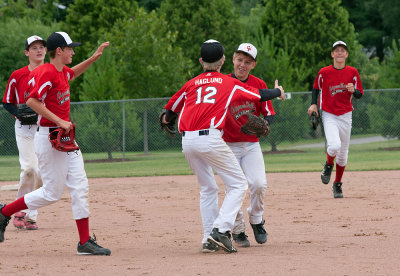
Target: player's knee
(259,187)
(29,172)
(333,149)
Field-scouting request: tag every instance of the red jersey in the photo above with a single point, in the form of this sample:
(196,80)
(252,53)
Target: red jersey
(334,96)
(17,86)
(51,87)
(204,100)
(234,120)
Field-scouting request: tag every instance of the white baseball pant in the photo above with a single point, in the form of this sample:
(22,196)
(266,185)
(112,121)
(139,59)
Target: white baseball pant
(207,153)
(29,177)
(59,169)
(250,158)
(337,133)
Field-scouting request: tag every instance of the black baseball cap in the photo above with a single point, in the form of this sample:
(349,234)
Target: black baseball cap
(211,51)
(60,39)
(32,39)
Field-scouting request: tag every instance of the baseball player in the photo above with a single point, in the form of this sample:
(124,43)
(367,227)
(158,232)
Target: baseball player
(202,104)
(15,94)
(49,96)
(247,147)
(338,84)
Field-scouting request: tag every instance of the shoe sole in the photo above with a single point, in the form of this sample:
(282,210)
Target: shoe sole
(325,181)
(211,239)
(239,244)
(18,227)
(85,253)
(208,251)
(261,242)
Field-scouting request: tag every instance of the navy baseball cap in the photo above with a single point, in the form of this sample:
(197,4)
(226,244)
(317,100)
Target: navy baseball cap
(32,39)
(211,51)
(60,39)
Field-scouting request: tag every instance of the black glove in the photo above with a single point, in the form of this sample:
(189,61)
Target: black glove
(26,115)
(169,127)
(314,119)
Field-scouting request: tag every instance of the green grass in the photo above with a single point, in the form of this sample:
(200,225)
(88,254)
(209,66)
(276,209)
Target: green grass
(371,156)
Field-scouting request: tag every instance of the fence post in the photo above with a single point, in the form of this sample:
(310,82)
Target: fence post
(123,131)
(145,134)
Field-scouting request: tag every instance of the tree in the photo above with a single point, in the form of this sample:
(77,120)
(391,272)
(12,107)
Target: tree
(198,21)
(150,62)
(88,21)
(384,112)
(309,27)
(376,22)
(12,43)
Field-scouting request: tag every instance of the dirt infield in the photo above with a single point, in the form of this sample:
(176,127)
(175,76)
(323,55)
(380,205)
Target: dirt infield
(153,227)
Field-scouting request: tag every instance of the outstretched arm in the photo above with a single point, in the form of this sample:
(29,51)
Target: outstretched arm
(81,67)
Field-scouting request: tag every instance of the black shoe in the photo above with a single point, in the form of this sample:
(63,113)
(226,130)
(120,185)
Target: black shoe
(241,239)
(260,234)
(337,190)
(209,247)
(92,248)
(3,222)
(223,240)
(326,173)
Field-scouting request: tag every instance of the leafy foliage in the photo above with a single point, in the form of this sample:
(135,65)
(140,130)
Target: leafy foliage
(309,28)
(12,44)
(384,112)
(150,62)
(198,21)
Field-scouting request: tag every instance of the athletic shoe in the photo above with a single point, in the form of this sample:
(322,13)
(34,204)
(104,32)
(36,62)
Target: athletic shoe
(19,220)
(241,239)
(223,240)
(326,173)
(260,234)
(31,225)
(3,223)
(337,190)
(209,247)
(92,248)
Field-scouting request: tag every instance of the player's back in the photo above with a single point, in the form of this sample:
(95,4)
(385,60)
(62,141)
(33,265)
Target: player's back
(207,98)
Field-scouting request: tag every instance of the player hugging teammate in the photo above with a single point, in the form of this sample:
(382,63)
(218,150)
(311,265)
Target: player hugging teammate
(203,104)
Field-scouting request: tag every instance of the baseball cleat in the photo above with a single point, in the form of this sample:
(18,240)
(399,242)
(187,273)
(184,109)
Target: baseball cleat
(209,247)
(241,239)
(19,220)
(223,240)
(260,234)
(337,190)
(326,173)
(30,225)
(3,223)
(92,248)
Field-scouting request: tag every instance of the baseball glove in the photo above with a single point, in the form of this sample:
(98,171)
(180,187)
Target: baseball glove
(169,128)
(26,115)
(62,141)
(314,120)
(255,125)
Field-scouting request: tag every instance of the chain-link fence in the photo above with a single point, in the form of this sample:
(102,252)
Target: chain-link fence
(112,128)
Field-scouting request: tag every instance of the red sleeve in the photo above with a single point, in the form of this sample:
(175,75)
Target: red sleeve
(10,93)
(177,100)
(318,81)
(38,84)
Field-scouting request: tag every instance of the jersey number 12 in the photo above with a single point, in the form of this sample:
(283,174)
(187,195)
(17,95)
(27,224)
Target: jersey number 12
(209,92)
